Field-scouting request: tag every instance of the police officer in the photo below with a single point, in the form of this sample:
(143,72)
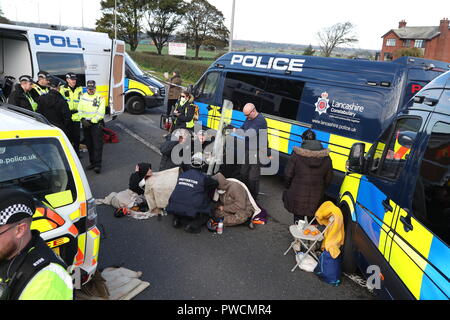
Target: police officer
(21,96)
(41,87)
(190,201)
(72,93)
(54,107)
(91,111)
(29,269)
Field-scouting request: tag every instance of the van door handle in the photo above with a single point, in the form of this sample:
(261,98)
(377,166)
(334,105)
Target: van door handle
(386,205)
(407,225)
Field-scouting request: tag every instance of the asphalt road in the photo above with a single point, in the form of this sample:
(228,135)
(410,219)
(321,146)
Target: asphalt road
(240,264)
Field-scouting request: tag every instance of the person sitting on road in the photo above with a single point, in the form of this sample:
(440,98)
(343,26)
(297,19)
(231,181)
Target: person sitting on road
(190,202)
(180,138)
(235,204)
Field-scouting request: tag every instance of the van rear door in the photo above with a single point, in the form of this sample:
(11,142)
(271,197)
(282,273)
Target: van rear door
(116,86)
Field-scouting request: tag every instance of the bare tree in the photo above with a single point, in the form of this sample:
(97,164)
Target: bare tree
(336,35)
(163,17)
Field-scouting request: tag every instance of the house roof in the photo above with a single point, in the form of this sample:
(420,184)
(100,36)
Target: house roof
(415,32)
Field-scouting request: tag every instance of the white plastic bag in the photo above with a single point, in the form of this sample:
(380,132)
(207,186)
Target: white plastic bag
(307,263)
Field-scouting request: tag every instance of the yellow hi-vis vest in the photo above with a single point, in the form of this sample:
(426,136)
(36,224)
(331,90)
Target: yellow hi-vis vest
(189,124)
(33,103)
(73,99)
(39,90)
(91,107)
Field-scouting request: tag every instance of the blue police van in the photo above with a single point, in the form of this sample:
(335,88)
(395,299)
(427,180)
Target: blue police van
(344,101)
(396,200)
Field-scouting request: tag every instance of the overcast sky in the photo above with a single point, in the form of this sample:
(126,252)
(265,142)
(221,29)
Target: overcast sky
(284,21)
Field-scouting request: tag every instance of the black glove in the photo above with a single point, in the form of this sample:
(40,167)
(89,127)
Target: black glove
(86,123)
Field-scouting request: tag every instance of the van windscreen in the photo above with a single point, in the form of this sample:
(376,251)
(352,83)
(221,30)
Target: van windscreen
(37,165)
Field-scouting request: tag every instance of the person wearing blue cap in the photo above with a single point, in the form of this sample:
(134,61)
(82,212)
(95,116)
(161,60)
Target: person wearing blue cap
(29,269)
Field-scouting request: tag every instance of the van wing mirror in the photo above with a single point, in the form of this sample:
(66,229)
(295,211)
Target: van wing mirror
(355,162)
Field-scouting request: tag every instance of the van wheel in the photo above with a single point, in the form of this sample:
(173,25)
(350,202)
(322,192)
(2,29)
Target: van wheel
(135,105)
(348,261)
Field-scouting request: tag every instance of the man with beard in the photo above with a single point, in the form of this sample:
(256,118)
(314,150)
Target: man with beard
(29,269)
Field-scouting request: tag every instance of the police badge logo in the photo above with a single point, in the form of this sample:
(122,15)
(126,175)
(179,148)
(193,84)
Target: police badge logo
(322,103)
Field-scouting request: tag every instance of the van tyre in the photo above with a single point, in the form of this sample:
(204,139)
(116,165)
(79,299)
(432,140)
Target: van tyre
(135,105)
(348,260)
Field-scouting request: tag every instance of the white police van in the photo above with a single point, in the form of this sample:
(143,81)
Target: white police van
(90,55)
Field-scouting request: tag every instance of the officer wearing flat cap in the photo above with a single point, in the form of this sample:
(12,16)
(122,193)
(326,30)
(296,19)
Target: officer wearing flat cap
(29,269)
(91,111)
(42,86)
(21,95)
(54,107)
(72,93)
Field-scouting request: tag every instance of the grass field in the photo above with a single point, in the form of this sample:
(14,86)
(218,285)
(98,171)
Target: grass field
(189,52)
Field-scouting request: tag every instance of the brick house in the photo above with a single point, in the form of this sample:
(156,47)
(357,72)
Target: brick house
(433,41)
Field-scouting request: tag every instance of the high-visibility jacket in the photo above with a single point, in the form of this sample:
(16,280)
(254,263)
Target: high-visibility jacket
(40,90)
(33,103)
(73,99)
(40,274)
(91,107)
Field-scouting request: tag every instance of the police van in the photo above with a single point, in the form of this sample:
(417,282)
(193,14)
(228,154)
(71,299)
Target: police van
(141,90)
(90,55)
(396,200)
(38,157)
(344,101)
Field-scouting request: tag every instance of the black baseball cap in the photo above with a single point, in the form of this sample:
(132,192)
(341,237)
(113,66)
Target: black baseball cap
(43,74)
(90,84)
(25,78)
(71,76)
(15,205)
(54,82)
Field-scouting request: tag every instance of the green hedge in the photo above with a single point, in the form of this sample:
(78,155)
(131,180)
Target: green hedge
(189,70)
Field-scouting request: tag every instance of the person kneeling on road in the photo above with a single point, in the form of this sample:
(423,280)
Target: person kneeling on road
(29,269)
(91,111)
(191,202)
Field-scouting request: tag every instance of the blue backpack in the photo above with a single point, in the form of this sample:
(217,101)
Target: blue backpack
(329,269)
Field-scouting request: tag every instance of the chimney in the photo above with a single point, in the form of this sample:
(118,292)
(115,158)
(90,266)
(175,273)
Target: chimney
(402,24)
(443,26)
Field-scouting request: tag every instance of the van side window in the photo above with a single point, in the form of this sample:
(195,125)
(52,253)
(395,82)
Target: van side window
(206,90)
(431,202)
(282,97)
(377,150)
(59,64)
(242,88)
(399,147)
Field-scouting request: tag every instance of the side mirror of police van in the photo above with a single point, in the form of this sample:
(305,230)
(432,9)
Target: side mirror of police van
(355,162)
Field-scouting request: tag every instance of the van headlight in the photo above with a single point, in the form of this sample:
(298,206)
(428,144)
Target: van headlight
(155,90)
(91,217)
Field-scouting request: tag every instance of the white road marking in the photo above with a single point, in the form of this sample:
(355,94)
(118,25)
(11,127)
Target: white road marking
(138,138)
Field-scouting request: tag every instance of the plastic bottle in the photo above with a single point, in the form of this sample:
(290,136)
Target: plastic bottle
(220,227)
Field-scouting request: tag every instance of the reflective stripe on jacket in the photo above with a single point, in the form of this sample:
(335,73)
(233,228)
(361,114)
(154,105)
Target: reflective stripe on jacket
(91,107)
(73,99)
(33,103)
(51,283)
(40,90)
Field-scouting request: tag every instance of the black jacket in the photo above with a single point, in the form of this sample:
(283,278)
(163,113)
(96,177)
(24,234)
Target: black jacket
(187,112)
(192,194)
(18,98)
(54,107)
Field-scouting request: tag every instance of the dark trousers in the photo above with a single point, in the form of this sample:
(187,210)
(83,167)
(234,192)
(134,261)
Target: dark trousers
(197,222)
(250,174)
(170,104)
(93,136)
(74,135)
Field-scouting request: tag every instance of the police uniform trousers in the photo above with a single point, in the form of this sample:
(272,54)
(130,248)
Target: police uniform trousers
(93,136)
(75,135)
